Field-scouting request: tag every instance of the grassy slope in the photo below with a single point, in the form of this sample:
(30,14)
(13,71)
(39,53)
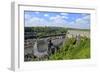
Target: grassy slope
(73,51)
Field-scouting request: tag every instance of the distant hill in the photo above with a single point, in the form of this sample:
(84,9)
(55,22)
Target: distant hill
(78,29)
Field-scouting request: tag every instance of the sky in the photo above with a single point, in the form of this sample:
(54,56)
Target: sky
(57,19)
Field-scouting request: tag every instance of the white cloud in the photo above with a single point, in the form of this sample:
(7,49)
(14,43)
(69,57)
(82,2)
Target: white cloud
(55,17)
(46,15)
(58,17)
(35,21)
(27,16)
(83,22)
(86,17)
(65,17)
(37,12)
(57,21)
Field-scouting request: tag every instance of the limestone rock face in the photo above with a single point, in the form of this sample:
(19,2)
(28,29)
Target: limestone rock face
(40,48)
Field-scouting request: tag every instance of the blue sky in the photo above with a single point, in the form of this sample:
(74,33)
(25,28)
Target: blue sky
(57,19)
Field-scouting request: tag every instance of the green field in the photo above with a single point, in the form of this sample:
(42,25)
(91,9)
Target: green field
(71,50)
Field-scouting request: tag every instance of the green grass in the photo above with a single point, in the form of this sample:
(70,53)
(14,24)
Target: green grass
(69,50)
